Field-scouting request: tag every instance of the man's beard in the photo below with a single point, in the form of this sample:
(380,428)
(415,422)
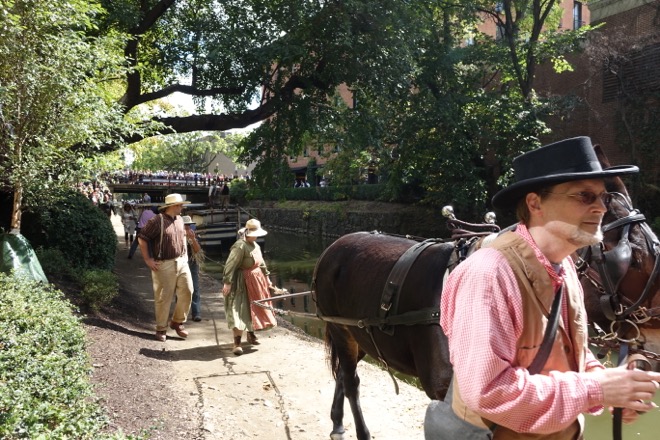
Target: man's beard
(582,238)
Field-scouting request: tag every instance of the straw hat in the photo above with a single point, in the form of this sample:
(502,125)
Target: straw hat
(173,199)
(253,228)
(563,161)
(187,220)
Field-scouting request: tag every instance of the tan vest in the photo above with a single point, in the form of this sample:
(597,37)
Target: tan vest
(570,345)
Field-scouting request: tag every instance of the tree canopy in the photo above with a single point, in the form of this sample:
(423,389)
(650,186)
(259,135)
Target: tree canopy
(431,110)
(53,95)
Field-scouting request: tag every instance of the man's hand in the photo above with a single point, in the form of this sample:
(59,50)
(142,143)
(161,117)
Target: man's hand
(153,264)
(631,389)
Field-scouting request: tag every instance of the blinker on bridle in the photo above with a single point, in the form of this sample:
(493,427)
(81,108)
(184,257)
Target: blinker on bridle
(612,265)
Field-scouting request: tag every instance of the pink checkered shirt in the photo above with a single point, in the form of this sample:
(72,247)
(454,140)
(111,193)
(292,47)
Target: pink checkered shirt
(481,313)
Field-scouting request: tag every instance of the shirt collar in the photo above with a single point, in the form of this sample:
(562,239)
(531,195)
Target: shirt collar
(556,276)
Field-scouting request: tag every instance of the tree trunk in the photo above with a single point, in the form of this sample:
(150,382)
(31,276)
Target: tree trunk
(16,210)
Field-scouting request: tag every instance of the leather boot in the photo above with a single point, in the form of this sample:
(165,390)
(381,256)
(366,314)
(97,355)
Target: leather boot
(237,346)
(252,338)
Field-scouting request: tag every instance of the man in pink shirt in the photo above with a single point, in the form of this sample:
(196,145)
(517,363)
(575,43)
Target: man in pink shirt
(495,308)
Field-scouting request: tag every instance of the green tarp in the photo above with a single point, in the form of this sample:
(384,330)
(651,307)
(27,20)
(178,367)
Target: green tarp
(17,254)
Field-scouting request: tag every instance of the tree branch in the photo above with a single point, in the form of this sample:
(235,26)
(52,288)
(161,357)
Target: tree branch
(188,90)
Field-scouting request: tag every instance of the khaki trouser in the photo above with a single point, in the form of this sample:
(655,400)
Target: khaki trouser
(172,279)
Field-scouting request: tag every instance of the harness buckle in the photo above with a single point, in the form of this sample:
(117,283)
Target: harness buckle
(386,306)
(641,315)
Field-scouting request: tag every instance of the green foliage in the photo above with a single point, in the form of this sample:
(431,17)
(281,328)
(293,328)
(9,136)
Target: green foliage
(94,288)
(55,109)
(55,264)
(77,228)
(44,369)
(440,114)
(99,287)
(330,193)
(192,152)
(238,190)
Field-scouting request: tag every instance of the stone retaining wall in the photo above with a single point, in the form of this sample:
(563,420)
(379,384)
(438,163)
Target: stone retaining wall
(338,220)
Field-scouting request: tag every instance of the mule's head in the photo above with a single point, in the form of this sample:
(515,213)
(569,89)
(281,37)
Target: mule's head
(622,275)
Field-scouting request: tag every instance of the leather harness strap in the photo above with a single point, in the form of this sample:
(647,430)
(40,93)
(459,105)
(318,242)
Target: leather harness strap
(429,315)
(389,301)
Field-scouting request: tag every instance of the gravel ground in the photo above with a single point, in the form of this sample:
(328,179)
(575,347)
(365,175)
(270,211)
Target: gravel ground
(197,389)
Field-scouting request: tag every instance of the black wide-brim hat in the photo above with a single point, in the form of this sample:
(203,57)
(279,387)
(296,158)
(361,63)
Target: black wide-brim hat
(563,161)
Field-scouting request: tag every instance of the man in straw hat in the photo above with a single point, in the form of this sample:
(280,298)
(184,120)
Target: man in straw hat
(163,246)
(495,308)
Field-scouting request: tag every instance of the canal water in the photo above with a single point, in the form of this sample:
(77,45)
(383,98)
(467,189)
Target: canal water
(291,259)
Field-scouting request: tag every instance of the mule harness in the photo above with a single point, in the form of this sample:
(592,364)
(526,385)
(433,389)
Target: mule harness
(611,267)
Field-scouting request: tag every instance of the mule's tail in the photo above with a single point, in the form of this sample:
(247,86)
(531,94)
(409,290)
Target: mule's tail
(331,353)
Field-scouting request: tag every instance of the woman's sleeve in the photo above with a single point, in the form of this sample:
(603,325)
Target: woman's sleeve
(264,268)
(232,264)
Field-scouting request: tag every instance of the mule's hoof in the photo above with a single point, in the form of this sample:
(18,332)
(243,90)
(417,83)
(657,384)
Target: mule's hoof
(336,436)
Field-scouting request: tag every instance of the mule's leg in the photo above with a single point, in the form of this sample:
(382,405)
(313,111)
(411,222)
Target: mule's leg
(337,410)
(352,392)
(347,354)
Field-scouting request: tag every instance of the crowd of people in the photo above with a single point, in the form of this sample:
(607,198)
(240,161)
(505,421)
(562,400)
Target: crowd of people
(162,177)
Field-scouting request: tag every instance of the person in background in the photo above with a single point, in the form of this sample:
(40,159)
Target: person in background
(213,194)
(195,257)
(224,196)
(495,309)
(245,279)
(128,219)
(165,235)
(146,198)
(146,215)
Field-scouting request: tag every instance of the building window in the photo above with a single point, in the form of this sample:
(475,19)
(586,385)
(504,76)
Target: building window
(577,15)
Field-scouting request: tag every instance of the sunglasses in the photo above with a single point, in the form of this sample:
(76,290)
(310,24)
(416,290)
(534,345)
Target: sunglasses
(587,197)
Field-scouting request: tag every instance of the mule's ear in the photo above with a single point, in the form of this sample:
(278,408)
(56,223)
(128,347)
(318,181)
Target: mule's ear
(604,162)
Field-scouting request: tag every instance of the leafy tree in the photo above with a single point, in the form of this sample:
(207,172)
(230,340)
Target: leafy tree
(183,152)
(445,112)
(53,96)
(244,61)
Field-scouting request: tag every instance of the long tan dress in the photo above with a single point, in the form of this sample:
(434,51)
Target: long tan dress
(246,270)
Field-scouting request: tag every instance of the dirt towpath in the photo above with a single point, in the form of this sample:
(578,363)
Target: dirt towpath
(197,389)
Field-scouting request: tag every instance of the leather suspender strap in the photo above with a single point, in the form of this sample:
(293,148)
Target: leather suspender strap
(160,248)
(549,336)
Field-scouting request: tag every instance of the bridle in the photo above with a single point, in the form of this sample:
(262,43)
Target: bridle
(606,268)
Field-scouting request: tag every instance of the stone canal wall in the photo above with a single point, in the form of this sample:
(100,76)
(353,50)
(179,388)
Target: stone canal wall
(333,219)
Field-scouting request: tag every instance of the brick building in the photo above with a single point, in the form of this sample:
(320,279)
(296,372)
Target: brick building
(625,59)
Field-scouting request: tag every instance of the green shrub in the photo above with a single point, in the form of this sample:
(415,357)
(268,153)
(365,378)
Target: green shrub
(98,288)
(80,230)
(238,189)
(54,264)
(44,369)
